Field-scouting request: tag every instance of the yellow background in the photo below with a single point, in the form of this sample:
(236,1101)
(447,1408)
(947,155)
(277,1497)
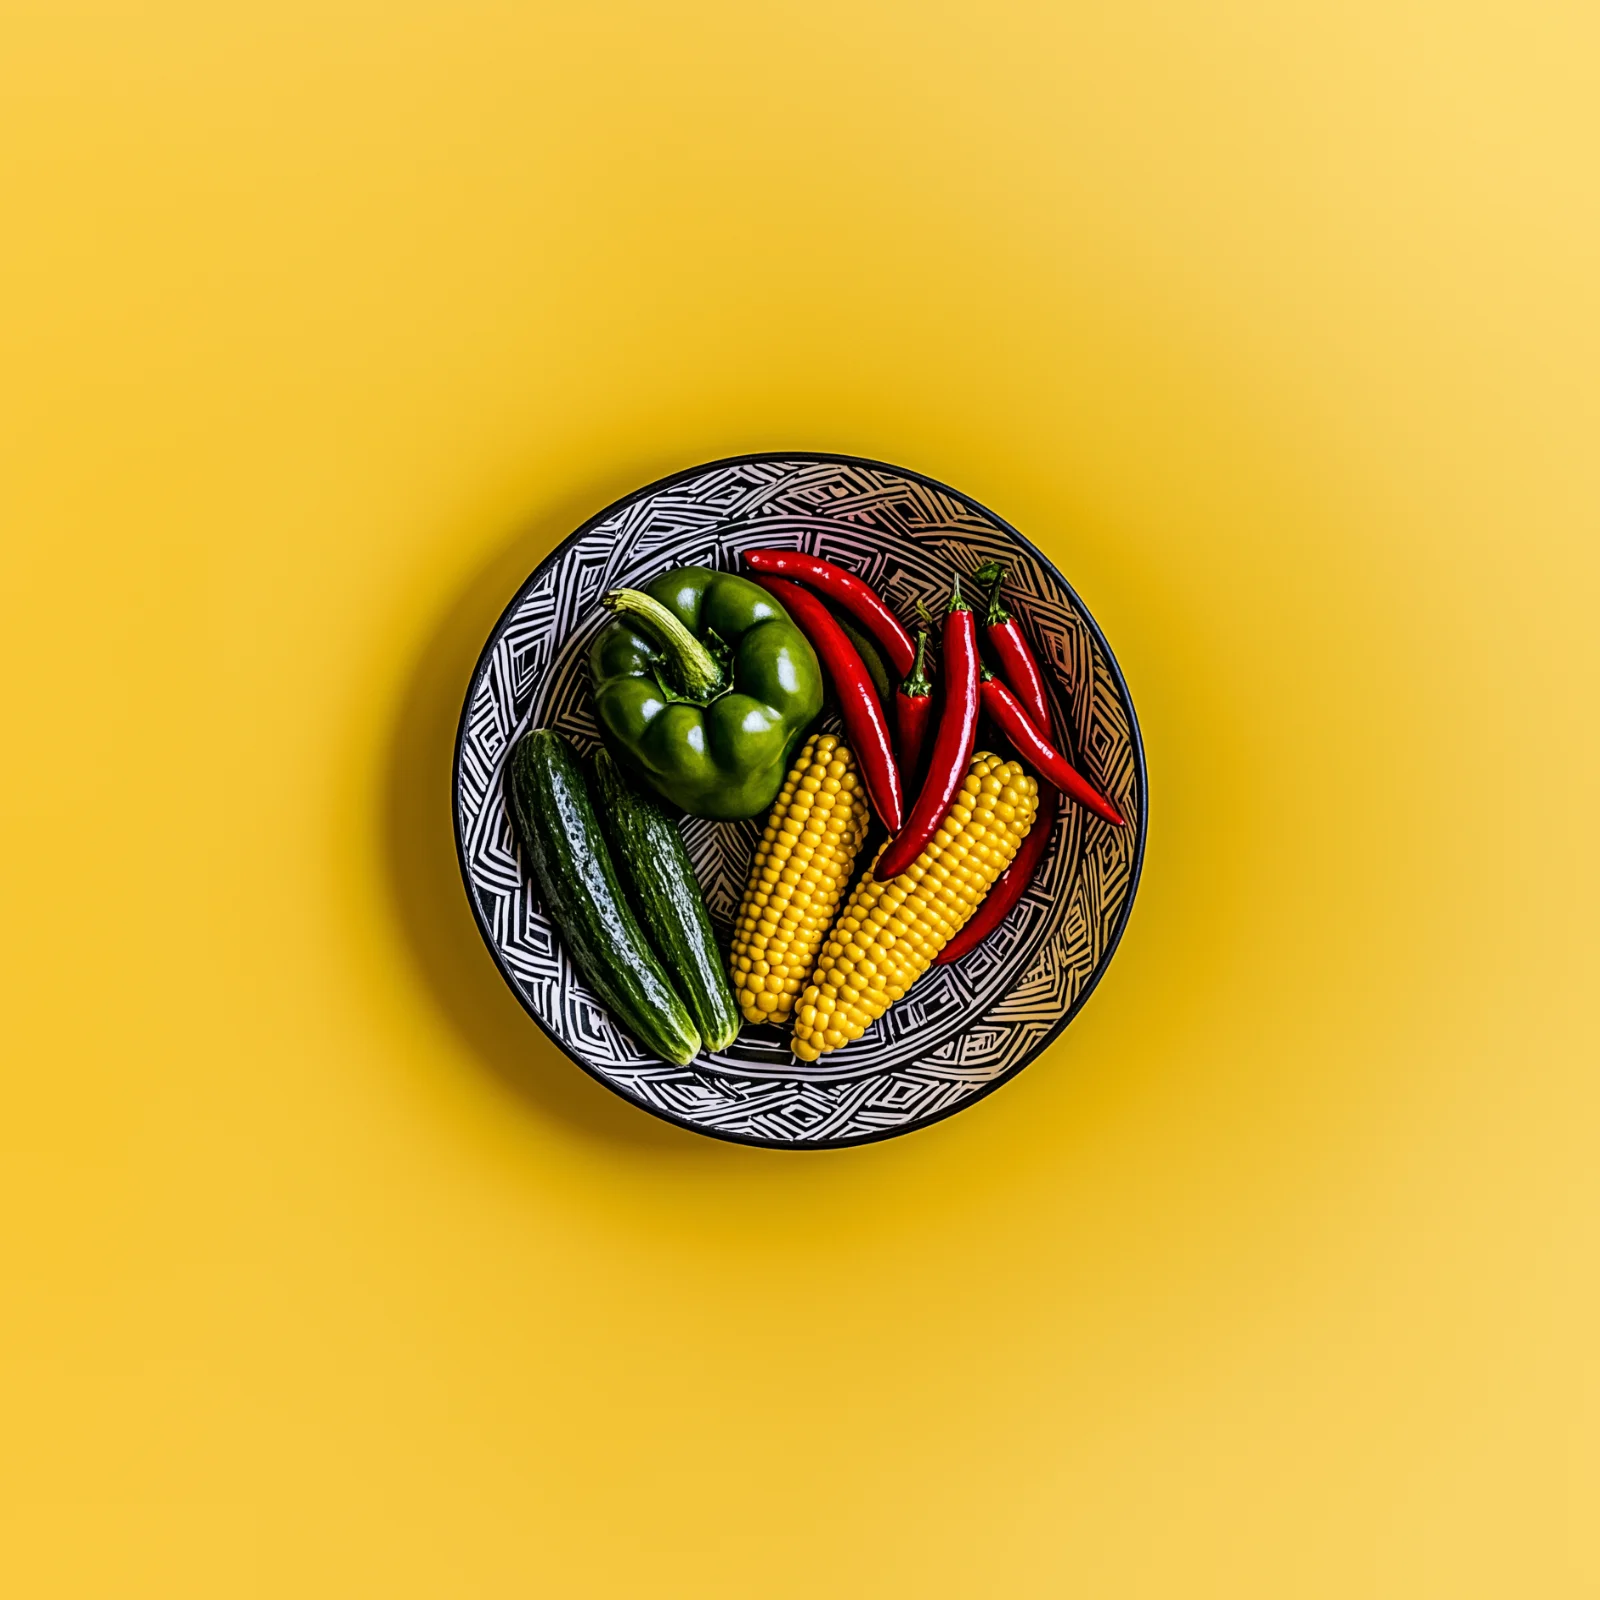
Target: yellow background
(1277,326)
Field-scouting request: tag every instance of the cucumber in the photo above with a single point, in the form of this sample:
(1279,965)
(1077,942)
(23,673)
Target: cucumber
(561,841)
(652,861)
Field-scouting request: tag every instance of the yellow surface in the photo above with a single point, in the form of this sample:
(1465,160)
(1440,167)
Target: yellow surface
(1276,325)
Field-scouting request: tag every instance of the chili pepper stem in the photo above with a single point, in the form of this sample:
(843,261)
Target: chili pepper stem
(993,573)
(919,683)
(700,677)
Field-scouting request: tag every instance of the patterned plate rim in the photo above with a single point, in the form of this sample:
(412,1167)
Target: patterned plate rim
(1113,667)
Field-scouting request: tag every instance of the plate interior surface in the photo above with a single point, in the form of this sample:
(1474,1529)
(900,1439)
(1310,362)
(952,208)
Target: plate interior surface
(964,1028)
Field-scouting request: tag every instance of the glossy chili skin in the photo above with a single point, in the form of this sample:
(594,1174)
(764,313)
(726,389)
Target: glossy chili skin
(1020,669)
(1040,754)
(1018,665)
(864,726)
(726,757)
(847,591)
(913,706)
(952,744)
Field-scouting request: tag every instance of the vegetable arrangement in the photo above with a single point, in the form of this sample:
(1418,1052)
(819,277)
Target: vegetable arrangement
(705,684)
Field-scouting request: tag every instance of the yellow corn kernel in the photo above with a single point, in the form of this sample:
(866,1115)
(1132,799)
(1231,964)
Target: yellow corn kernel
(802,866)
(890,932)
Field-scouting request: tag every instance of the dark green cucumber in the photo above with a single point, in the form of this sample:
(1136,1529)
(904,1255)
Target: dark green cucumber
(561,841)
(651,859)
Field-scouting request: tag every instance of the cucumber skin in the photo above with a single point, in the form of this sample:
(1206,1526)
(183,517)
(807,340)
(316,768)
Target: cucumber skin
(561,841)
(653,861)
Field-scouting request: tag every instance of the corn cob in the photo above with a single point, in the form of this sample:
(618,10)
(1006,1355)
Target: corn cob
(890,932)
(802,866)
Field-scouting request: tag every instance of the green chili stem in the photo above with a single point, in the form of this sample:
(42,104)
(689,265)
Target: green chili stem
(994,572)
(699,676)
(919,684)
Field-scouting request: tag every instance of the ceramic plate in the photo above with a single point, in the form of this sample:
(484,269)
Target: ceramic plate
(964,1029)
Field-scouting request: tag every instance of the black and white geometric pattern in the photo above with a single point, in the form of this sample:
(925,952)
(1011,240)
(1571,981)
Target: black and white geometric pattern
(964,1028)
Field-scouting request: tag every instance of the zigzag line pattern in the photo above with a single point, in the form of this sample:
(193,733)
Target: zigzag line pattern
(962,1027)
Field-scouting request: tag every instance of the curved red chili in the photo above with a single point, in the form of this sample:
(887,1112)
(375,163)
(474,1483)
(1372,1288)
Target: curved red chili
(1017,663)
(1021,670)
(860,599)
(911,707)
(864,726)
(952,745)
(1039,753)
(1008,888)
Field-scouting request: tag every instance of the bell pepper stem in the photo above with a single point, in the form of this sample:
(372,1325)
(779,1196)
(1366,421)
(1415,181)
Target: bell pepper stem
(699,675)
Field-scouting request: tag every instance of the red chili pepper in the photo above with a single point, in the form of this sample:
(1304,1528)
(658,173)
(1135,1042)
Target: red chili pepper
(1039,753)
(864,726)
(1008,888)
(847,590)
(952,745)
(911,707)
(1017,664)
(1021,669)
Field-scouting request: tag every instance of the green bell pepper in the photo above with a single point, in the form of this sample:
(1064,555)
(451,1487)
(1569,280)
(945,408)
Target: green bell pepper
(703,687)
